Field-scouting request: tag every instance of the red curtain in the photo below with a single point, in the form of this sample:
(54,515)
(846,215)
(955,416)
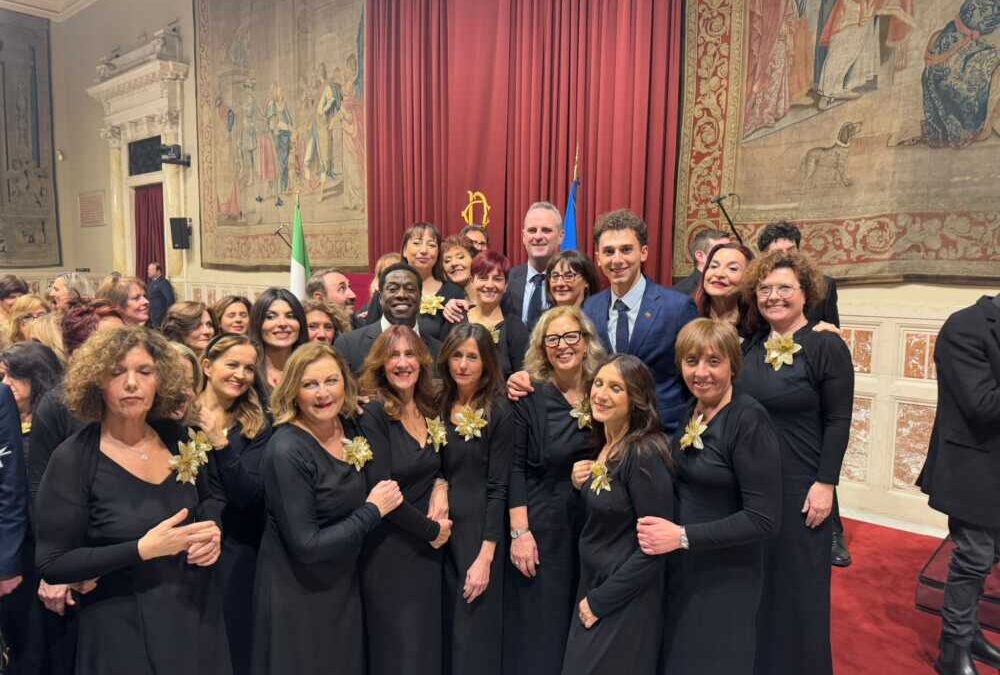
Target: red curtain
(498,97)
(148,228)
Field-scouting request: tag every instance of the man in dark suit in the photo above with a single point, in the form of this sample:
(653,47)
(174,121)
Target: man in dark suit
(962,475)
(332,286)
(15,598)
(542,235)
(160,294)
(702,243)
(785,236)
(400,285)
(637,316)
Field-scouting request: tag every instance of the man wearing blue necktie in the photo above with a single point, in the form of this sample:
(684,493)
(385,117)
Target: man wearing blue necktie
(637,316)
(542,236)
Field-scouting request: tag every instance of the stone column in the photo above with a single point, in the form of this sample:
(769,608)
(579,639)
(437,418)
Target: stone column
(119,251)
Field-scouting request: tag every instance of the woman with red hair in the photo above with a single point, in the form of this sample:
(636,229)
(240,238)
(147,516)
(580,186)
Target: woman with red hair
(488,277)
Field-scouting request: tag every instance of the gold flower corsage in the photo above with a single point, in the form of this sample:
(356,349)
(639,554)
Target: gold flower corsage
(601,479)
(471,423)
(780,351)
(437,434)
(431,304)
(495,334)
(692,433)
(358,452)
(193,455)
(581,413)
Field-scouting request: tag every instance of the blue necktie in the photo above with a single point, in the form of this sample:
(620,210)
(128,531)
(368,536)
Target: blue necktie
(621,331)
(535,302)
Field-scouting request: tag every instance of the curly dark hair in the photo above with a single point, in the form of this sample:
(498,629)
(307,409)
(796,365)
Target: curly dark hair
(810,279)
(622,219)
(79,323)
(93,363)
(782,229)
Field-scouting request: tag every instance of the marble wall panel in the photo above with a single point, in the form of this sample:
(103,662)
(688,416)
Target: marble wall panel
(914,422)
(918,355)
(855,467)
(860,341)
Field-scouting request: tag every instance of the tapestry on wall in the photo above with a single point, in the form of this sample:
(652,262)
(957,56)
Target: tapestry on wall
(875,124)
(280,118)
(29,229)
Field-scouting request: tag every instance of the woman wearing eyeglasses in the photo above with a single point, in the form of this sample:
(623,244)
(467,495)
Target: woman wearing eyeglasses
(805,381)
(552,433)
(570,279)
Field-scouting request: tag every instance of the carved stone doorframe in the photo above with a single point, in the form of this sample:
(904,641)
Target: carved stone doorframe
(142,93)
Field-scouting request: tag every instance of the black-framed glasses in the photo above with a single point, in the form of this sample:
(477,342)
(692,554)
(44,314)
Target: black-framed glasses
(783,292)
(568,277)
(571,338)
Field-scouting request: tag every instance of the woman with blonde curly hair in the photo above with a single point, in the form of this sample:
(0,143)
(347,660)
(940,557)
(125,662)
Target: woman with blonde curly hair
(189,323)
(120,500)
(402,573)
(552,434)
(308,617)
(805,381)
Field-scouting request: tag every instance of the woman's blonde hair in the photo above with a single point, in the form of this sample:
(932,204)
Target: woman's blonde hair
(284,405)
(709,335)
(186,353)
(536,360)
(48,331)
(22,307)
(91,366)
(247,409)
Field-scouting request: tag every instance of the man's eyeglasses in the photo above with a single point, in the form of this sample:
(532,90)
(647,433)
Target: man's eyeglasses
(571,338)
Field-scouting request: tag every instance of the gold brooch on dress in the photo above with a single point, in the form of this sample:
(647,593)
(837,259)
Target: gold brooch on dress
(471,423)
(601,479)
(193,455)
(692,433)
(581,413)
(358,452)
(437,434)
(431,304)
(780,351)
(495,334)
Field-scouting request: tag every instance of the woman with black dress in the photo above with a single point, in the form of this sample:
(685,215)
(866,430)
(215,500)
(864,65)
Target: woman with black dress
(805,381)
(476,463)
(728,485)
(230,414)
(401,575)
(486,289)
(620,598)
(552,432)
(277,327)
(117,503)
(308,617)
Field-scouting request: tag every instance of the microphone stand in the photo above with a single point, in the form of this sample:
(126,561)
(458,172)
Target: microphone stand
(280,234)
(720,202)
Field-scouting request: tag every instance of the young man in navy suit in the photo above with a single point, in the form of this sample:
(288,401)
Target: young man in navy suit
(637,316)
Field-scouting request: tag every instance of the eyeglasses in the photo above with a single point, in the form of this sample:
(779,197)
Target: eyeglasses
(571,338)
(28,318)
(568,277)
(783,292)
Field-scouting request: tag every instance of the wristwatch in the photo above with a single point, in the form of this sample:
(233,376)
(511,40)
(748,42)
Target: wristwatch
(684,540)
(514,534)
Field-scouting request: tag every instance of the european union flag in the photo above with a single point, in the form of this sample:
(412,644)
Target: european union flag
(569,222)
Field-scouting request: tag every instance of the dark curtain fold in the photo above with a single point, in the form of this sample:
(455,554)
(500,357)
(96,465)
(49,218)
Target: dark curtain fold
(148,228)
(498,96)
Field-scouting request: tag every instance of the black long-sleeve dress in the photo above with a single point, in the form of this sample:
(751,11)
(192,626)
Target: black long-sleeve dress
(308,616)
(477,471)
(144,617)
(401,575)
(729,502)
(623,585)
(538,610)
(238,468)
(810,404)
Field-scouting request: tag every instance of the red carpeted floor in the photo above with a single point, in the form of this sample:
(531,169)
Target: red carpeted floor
(877,629)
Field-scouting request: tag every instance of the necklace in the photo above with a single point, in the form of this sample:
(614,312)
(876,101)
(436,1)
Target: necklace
(139,449)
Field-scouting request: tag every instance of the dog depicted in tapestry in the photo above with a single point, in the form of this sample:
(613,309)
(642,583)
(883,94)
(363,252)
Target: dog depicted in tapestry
(827,164)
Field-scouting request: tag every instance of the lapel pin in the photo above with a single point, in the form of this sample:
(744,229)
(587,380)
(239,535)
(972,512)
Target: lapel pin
(648,315)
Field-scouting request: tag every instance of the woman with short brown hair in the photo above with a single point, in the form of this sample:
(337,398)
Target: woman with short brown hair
(189,323)
(128,294)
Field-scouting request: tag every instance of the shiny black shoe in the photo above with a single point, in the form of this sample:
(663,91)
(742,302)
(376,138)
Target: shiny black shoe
(841,556)
(955,660)
(985,651)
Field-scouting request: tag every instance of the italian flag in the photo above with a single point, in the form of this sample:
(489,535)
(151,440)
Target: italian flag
(300,270)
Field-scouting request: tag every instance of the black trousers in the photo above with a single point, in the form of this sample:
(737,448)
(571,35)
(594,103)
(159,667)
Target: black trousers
(838,525)
(977,550)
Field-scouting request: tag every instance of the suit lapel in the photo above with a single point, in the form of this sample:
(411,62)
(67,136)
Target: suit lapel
(604,305)
(648,310)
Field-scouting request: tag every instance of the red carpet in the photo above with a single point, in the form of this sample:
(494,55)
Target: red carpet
(876,626)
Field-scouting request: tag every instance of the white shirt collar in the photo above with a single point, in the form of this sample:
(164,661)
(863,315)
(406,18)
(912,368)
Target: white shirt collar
(384,322)
(633,297)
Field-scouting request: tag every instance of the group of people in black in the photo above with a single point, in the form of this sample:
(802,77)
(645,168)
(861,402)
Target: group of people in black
(489,469)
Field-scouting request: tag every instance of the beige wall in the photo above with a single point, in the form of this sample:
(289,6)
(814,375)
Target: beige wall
(890,328)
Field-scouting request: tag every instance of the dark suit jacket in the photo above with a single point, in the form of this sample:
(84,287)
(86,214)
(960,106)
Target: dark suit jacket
(662,314)
(962,471)
(513,299)
(827,310)
(354,346)
(13,487)
(689,284)
(161,295)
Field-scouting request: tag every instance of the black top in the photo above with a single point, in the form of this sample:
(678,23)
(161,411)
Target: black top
(237,466)
(826,310)
(162,615)
(511,339)
(13,487)
(689,284)
(809,402)
(52,424)
(355,345)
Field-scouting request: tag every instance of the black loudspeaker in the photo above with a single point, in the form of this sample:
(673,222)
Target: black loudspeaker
(180,233)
